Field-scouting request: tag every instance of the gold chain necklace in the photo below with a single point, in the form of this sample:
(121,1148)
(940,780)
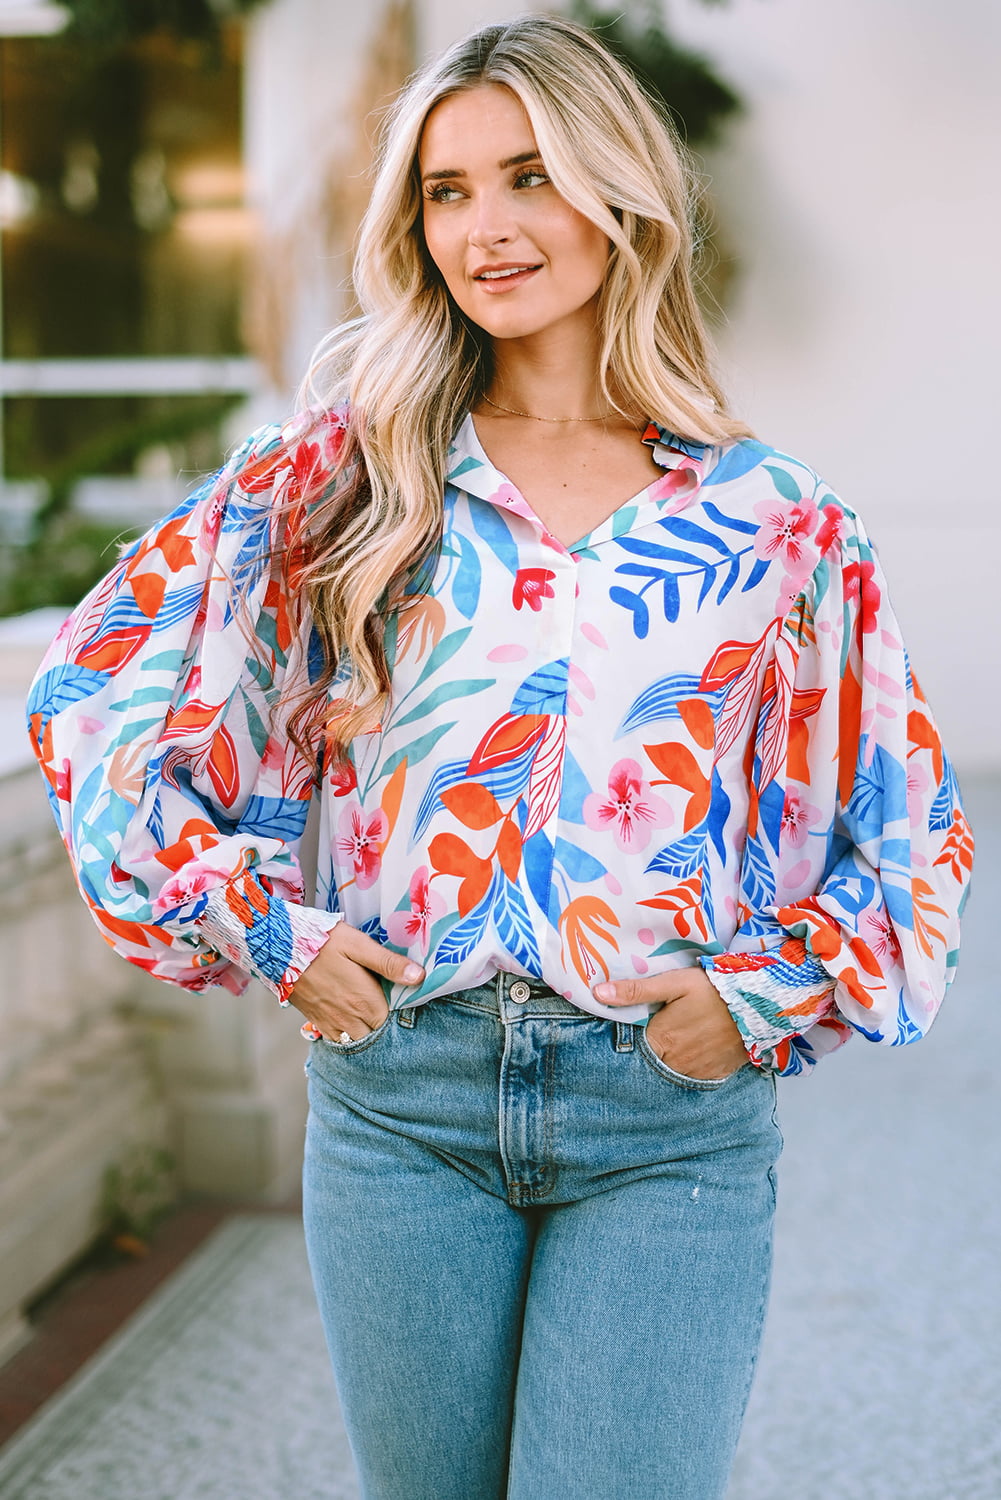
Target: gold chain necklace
(513,412)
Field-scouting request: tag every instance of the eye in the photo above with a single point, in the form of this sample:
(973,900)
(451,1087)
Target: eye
(530,179)
(442,192)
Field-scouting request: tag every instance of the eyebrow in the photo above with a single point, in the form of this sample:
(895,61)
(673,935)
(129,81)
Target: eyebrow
(510,161)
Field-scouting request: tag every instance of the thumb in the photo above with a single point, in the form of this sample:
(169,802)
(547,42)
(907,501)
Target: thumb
(628,992)
(396,967)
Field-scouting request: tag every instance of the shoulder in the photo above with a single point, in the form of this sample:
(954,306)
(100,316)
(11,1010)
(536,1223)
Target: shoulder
(779,492)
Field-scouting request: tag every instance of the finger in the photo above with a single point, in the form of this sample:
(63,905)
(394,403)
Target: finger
(395,967)
(631,991)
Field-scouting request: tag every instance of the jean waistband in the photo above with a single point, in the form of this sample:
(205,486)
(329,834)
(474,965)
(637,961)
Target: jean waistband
(510,995)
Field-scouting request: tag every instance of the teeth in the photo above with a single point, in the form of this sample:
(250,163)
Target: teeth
(496,275)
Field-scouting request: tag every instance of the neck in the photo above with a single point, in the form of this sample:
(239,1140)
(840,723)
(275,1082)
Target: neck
(551,376)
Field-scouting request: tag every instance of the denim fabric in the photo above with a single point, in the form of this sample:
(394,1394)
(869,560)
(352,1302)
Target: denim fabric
(541,1256)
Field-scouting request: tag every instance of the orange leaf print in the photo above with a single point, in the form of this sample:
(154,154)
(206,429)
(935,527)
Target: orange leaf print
(680,768)
(392,797)
(509,849)
(921,733)
(148,590)
(223,768)
(474,888)
(697,717)
(473,805)
(923,930)
(849,732)
(451,855)
(684,902)
(506,739)
(112,650)
(588,914)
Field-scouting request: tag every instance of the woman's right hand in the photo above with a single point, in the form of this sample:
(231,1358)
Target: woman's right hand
(339,992)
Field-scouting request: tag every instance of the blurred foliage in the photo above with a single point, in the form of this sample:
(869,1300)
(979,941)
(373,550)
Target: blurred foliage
(137,1192)
(67,553)
(695,97)
(111,22)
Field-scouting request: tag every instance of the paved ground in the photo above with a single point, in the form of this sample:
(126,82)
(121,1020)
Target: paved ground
(880,1377)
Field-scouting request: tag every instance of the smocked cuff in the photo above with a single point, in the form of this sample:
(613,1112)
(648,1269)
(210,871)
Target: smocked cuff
(772,996)
(273,939)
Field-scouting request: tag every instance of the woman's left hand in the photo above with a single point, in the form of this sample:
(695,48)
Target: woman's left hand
(693,1032)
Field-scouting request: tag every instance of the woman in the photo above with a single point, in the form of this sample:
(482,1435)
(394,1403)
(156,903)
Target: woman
(628,799)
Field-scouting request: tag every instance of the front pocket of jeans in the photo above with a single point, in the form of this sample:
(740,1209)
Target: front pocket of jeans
(351,1049)
(682,1080)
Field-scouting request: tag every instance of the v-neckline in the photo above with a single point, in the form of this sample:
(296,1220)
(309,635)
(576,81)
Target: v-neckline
(508,497)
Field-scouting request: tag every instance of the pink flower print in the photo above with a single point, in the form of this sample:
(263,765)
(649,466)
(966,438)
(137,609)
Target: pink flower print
(630,809)
(342,777)
(190,881)
(407,928)
(531,586)
(832,528)
(876,931)
(860,585)
(784,532)
(917,784)
(798,817)
(362,841)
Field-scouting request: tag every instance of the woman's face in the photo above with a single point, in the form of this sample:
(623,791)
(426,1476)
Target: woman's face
(517,259)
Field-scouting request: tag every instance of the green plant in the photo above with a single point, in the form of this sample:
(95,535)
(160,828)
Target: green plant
(695,97)
(111,22)
(138,1189)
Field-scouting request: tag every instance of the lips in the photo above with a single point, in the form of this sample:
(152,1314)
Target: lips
(500,278)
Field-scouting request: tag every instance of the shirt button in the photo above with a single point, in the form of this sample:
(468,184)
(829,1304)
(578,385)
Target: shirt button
(519,992)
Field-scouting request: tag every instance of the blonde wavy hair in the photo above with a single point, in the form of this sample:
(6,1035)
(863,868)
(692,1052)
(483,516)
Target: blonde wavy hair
(411,365)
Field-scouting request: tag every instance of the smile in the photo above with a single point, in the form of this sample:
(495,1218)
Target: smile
(505,276)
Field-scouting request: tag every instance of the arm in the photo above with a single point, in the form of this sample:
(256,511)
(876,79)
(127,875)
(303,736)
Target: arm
(858,855)
(156,717)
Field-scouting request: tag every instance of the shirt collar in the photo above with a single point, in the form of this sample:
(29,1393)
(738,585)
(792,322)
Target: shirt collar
(470,469)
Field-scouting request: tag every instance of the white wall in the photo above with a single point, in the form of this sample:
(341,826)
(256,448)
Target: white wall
(860,193)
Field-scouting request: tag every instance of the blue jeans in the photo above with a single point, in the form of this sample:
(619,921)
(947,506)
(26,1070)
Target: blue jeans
(541,1256)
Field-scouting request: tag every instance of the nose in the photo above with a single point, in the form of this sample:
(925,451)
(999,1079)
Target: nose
(492,222)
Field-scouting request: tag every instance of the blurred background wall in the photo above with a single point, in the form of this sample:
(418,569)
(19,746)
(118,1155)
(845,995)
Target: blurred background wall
(177,220)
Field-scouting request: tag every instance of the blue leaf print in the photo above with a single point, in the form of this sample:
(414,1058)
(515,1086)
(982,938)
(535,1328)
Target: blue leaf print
(573,791)
(660,701)
(269,940)
(537,862)
(719,811)
(879,794)
(491,526)
(683,857)
(545,691)
(741,459)
(637,605)
(946,798)
(771,806)
(581,866)
(274,817)
(733,523)
(658,552)
(373,928)
(503,781)
(708,908)
(460,942)
(513,926)
(688,531)
(672,598)
(756,574)
(62,686)
(466,583)
(907,1029)
(757,882)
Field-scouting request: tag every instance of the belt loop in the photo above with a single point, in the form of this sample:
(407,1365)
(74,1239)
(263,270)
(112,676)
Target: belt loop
(500,988)
(407,1016)
(623,1036)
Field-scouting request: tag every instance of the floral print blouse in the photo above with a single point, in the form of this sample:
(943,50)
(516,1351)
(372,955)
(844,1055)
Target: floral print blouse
(692,737)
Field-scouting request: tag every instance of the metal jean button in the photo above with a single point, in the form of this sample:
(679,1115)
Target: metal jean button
(519,992)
